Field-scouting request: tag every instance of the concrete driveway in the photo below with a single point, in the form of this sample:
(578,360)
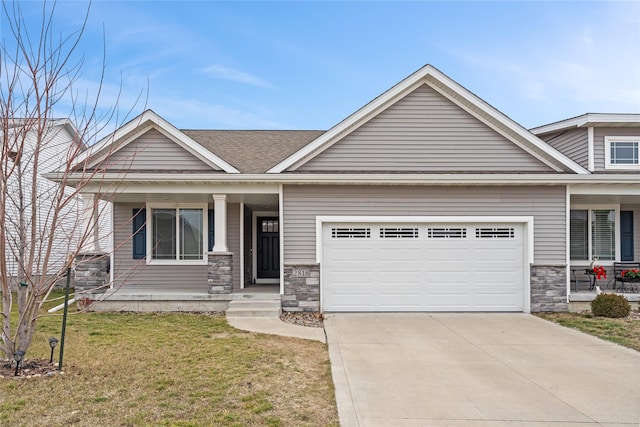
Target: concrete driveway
(478,370)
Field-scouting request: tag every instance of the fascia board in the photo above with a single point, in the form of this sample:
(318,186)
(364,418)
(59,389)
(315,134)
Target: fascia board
(324,141)
(556,126)
(586,120)
(358,179)
(150,119)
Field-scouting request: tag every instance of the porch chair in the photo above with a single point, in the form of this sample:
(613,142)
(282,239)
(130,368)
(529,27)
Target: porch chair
(626,285)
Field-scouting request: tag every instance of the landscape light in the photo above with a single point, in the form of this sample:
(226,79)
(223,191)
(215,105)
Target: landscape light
(18,356)
(53,342)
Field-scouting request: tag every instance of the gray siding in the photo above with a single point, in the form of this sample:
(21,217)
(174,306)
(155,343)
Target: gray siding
(598,141)
(233,239)
(248,245)
(154,151)
(303,203)
(573,143)
(424,132)
(135,273)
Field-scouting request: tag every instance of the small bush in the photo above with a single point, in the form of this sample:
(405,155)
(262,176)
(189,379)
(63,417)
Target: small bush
(610,305)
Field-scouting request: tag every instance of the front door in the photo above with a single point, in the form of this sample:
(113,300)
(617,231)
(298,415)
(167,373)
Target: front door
(268,248)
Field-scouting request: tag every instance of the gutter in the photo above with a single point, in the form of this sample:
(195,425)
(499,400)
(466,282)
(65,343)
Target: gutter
(127,179)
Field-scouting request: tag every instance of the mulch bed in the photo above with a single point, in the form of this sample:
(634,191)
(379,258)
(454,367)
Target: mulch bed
(29,369)
(302,318)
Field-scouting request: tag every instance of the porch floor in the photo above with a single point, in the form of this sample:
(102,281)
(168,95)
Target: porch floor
(185,293)
(588,296)
(148,299)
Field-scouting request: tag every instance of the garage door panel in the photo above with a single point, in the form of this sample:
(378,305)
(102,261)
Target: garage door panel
(460,269)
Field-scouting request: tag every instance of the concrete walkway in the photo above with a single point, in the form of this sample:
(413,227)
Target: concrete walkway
(478,370)
(275,326)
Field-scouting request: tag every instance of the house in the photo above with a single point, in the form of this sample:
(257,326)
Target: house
(425,199)
(48,231)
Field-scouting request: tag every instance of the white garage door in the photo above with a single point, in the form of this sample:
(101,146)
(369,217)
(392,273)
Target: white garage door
(423,267)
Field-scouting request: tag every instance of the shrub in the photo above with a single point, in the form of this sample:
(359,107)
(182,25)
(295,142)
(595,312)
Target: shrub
(610,305)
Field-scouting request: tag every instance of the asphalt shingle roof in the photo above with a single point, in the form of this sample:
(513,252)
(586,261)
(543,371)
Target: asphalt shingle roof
(253,151)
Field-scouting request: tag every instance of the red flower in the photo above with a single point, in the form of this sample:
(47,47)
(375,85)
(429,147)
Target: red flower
(600,272)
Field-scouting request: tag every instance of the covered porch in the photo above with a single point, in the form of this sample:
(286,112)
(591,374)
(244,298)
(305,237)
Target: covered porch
(604,230)
(182,248)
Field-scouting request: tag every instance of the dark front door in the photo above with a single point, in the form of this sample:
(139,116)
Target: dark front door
(268,248)
(626,236)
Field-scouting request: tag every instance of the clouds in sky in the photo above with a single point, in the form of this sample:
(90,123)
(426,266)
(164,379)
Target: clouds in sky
(225,73)
(307,65)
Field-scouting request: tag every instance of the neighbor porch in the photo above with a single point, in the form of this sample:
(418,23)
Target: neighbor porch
(603,231)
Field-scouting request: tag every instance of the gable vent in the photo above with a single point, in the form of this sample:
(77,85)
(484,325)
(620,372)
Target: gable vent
(350,233)
(398,233)
(446,233)
(495,233)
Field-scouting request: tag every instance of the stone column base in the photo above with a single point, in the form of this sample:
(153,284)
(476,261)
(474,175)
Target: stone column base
(549,288)
(301,287)
(220,274)
(92,272)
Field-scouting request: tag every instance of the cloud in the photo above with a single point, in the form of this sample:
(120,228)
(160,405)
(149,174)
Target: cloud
(588,67)
(225,73)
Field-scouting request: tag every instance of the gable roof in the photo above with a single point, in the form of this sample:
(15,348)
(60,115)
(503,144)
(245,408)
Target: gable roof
(445,86)
(128,133)
(588,120)
(253,151)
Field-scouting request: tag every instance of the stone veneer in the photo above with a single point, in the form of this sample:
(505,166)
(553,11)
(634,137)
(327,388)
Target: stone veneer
(220,273)
(301,287)
(91,272)
(548,288)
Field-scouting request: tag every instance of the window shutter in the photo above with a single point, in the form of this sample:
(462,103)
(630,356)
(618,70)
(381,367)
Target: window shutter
(139,233)
(211,234)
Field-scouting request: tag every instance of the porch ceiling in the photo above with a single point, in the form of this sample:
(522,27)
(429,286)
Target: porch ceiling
(604,199)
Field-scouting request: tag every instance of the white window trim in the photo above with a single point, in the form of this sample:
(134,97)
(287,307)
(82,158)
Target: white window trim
(150,207)
(607,152)
(590,208)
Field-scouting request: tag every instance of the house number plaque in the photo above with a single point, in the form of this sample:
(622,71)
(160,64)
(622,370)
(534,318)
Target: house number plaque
(300,272)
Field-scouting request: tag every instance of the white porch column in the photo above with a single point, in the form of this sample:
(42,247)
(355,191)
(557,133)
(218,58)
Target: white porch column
(220,223)
(90,221)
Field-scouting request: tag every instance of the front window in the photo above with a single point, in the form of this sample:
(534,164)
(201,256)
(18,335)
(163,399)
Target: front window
(592,234)
(622,152)
(177,234)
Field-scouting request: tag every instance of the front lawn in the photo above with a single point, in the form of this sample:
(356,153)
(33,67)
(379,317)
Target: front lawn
(625,332)
(171,370)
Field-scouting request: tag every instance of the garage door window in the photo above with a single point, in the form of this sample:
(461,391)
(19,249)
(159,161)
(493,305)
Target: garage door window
(446,233)
(398,233)
(350,233)
(495,233)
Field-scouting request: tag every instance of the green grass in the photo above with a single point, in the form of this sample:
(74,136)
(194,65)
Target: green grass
(625,332)
(171,370)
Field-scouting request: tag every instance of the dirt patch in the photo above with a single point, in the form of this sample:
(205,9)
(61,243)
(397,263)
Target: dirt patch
(302,318)
(28,369)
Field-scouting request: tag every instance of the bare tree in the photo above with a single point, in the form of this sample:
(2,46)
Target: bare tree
(42,222)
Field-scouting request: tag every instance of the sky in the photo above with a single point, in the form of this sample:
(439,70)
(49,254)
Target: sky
(309,65)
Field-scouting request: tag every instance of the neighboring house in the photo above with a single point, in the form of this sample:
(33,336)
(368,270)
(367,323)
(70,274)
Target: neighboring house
(21,139)
(425,199)
(59,139)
